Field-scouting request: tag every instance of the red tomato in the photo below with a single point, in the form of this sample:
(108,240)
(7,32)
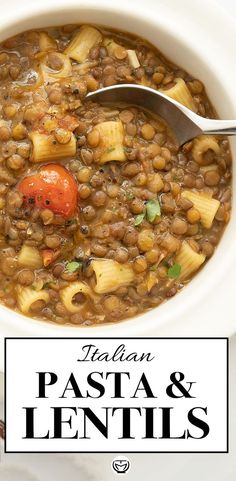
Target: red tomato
(53,187)
(49,256)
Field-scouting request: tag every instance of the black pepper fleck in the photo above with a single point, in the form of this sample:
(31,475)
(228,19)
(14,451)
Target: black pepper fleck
(84,229)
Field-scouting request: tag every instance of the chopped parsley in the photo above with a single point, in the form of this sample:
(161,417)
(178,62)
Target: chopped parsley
(139,219)
(174,271)
(70,222)
(153,209)
(129,195)
(73,266)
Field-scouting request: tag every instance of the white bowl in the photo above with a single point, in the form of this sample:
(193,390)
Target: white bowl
(201,38)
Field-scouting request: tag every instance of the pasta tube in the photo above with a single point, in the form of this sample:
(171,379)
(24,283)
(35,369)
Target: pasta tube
(30,256)
(81,44)
(201,145)
(133,59)
(84,68)
(152,280)
(46,43)
(114,49)
(206,168)
(27,296)
(67,294)
(29,87)
(181,94)
(207,206)
(111,141)
(110,275)
(46,148)
(50,75)
(189,260)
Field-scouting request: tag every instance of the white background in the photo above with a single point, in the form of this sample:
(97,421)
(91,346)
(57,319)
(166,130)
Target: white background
(202,362)
(97,467)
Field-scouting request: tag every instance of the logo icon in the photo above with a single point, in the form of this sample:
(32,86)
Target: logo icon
(120,465)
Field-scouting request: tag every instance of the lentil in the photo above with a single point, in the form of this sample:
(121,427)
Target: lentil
(146,240)
(212,178)
(193,215)
(179,226)
(98,198)
(84,174)
(131,169)
(84,191)
(148,132)
(5,133)
(15,162)
(152,255)
(159,162)
(26,277)
(93,138)
(62,136)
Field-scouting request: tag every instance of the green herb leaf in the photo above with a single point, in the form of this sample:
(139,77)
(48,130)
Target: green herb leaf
(46,285)
(70,222)
(73,266)
(139,219)
(174,271)
(153,209)
(129,195)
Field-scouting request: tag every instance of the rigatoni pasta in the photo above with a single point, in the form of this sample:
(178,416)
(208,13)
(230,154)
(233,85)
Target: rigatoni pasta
(111,145)
(84,40)
(189,261)
(63,70)
(114,49)
(29,256)
(110,275)
(203,144)
(46,42)
(26,298)
(207,206)
(210,167)
(180,92)
(133,59)
(46,148)
(68,294)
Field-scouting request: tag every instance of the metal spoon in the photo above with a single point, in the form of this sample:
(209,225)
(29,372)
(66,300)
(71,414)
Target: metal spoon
(185,124)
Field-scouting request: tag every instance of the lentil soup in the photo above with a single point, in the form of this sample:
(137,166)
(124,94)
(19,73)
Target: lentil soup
(102,215)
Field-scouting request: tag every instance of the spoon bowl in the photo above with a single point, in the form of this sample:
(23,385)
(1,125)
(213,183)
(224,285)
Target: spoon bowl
(184,123)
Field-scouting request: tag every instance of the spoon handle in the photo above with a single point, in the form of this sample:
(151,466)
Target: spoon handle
(218,127)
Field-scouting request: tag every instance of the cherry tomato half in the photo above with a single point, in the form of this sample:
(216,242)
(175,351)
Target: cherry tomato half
(53,187)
